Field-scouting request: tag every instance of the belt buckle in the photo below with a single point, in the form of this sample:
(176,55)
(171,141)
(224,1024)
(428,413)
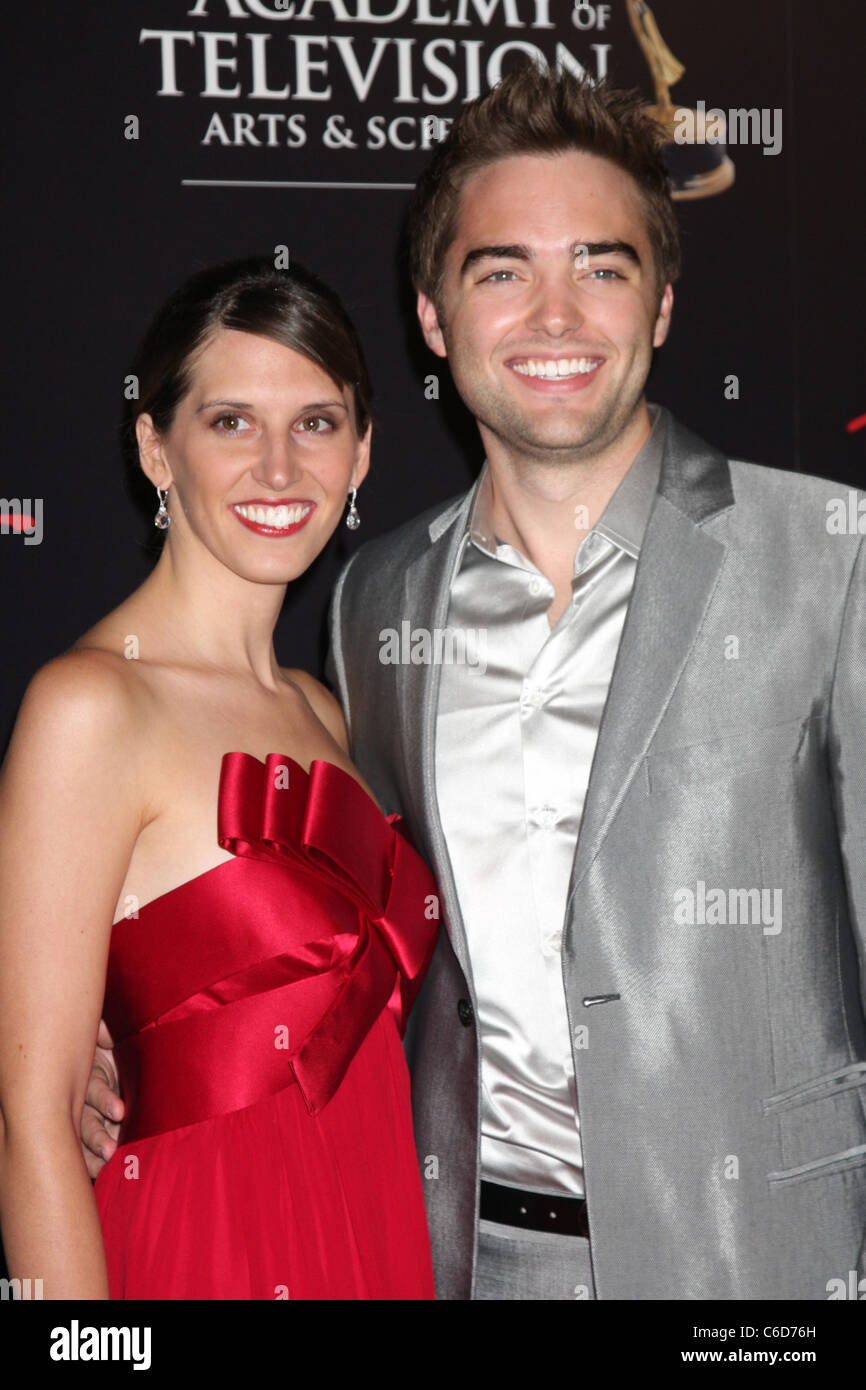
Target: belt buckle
(534,1211)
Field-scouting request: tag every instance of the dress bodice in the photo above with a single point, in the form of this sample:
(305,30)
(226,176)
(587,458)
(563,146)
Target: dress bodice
(271,968)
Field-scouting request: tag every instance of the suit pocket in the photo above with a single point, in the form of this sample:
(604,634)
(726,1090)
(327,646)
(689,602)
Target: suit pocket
(821,1167)
(833,1084)
(835,1122)
(750,750)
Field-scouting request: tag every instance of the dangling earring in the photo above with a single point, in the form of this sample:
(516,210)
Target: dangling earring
(353,521)
(162,520)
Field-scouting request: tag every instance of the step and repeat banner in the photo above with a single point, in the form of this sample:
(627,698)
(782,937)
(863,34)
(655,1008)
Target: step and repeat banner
(148,139)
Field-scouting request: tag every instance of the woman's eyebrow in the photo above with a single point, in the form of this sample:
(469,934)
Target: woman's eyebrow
(245,405)
(235,405)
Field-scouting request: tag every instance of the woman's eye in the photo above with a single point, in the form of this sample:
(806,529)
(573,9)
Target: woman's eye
(315,424)
(231,424)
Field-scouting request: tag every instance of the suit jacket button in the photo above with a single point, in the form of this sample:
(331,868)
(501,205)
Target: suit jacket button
(465,1013)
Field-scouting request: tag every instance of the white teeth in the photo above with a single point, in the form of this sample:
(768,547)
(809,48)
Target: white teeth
(278,518)
(551,368)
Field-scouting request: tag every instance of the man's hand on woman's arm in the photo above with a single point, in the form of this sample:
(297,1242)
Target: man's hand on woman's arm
(103,1109)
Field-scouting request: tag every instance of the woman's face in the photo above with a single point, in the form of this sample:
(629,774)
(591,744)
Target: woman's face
(259,458)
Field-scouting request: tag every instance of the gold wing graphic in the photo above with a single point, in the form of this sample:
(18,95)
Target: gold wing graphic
(665,68)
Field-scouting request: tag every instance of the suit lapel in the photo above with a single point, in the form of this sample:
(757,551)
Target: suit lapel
(677,571)
(426,594)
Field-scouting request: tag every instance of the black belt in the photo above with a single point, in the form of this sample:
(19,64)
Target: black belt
(534,1211)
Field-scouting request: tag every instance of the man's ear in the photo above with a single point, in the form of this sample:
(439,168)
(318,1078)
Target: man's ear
(663,317)
(429,321)
(150,452)
(362,463)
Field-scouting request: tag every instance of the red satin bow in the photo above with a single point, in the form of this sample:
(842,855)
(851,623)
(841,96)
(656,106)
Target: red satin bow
(275,809)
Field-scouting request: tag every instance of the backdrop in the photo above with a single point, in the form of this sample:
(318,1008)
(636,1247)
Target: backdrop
(148,139)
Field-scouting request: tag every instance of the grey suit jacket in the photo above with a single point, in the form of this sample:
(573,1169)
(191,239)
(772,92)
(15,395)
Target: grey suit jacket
(718,893)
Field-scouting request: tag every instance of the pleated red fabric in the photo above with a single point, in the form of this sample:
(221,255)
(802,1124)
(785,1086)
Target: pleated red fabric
(257,1012)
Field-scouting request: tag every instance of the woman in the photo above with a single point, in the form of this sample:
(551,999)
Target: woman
(184,833)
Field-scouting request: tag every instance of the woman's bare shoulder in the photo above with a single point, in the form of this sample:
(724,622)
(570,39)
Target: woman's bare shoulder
(87,696)
(86,674)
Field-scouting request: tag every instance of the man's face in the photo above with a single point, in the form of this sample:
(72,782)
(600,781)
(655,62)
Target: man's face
(551,271)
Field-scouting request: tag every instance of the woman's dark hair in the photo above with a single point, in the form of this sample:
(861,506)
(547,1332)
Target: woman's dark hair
(292,307)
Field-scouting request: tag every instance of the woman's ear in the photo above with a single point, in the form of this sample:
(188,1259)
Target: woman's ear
(150,452)
(362,459)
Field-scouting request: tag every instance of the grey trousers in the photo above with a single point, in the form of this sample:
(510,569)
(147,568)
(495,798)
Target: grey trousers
(513,1263)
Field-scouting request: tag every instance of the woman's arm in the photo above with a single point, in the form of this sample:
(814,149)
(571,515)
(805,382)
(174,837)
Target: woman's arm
(70,812)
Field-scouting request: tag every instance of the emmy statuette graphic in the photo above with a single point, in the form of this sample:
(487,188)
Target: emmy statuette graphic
(699,165)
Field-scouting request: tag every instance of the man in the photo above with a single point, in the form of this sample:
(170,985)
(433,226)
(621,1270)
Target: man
(666,1022)
(639,1057)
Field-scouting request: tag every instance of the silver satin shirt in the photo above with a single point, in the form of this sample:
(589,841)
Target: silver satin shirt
(517,725)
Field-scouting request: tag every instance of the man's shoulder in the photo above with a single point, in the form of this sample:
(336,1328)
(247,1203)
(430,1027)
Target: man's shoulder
(763,480)
(773,500)
(799,514)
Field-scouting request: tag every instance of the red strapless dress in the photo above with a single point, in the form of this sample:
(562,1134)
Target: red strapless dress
(257,1012)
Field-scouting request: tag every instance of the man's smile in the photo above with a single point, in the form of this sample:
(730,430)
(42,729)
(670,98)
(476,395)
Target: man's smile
(571,373)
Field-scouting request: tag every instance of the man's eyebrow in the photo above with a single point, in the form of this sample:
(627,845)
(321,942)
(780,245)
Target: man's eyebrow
(516,252)
(606,248)
(520,252)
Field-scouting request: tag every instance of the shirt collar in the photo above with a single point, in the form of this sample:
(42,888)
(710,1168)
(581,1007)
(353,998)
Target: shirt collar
(624,519)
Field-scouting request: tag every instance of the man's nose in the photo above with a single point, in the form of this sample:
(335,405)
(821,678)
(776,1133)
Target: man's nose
(556,308)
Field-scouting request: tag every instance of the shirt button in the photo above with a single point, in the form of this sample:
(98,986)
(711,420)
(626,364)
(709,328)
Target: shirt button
(533,696)
(545,817)
(535,587)
(556,941)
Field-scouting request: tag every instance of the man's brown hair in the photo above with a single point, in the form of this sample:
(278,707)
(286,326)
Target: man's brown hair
(536,111)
